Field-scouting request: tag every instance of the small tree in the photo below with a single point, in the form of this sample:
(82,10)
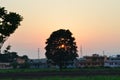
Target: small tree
(9,22)
(6,51)
(61,47)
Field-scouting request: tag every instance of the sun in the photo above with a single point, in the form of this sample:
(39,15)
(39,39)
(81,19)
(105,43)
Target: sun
(62,46)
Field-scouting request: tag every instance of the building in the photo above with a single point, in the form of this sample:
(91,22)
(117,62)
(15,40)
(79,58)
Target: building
(68,64)
(113,61)
(92,61)
(20,60)
(38,63)
(5,66)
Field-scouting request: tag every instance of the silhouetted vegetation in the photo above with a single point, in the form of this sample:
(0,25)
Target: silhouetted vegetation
(14,59)
(9,22)
(61,48)
(8,56)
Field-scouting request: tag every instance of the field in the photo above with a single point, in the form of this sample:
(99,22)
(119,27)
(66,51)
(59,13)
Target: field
(70,78)
(57,70)
(66,74)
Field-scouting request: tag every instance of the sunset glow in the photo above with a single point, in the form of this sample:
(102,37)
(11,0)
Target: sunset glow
(95,24)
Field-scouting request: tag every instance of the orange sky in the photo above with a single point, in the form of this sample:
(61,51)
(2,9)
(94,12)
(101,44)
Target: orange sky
(94,23)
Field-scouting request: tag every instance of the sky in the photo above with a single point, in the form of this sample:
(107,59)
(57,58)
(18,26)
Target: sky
(95,24)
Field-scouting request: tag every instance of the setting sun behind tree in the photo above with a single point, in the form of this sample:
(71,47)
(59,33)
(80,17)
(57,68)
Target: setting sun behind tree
(61,48)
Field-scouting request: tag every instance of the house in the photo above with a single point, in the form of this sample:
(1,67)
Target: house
(92,61)
(72,64)
(5,66)
(20,60)
(113,61)
(38,63)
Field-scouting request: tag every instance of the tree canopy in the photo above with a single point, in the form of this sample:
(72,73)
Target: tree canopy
(9,22)
(61,47)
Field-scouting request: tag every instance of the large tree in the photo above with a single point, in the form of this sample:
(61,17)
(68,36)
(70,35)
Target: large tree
(9,22)
(61,47)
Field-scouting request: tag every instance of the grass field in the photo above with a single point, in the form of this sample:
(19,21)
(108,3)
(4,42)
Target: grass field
(38,70)
(42,74)
(71,78)
(25,70)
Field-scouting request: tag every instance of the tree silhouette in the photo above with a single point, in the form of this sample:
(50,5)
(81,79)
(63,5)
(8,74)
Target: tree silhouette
(9,22)
(61,48)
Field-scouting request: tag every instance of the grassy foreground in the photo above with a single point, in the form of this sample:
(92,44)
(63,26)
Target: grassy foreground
(39,70)
(72,78)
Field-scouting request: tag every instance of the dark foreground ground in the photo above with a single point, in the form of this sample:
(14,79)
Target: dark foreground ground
(61,73)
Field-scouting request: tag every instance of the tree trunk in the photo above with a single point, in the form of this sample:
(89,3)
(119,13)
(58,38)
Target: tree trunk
(60,66)
(2,40)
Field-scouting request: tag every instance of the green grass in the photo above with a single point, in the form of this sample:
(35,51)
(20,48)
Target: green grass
(38,70)
(24,70)
(72,78)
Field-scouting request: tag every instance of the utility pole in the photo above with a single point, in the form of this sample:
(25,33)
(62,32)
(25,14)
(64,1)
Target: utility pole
(38,53)
(103,53)
(81,50)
